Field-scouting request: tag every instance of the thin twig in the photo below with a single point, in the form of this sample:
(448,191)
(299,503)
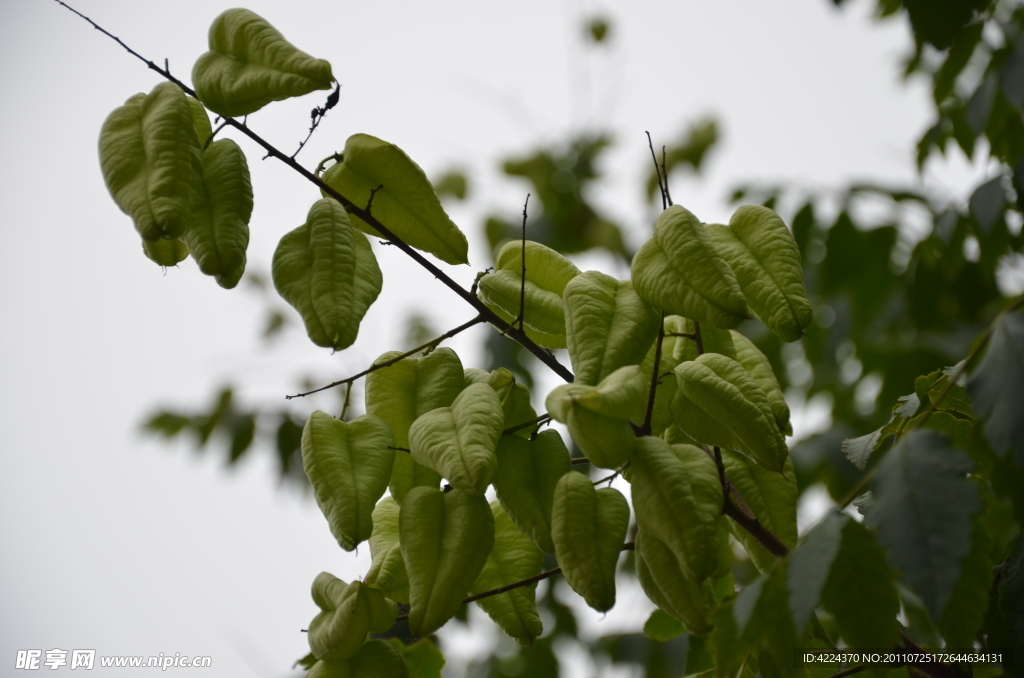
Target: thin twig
(522,281)
(664,173)
(697,338)
(546,574)
(527,424)
(645,428)
(661,186)
(487,314)
(348,398)
(580,460)
(317,114)
(391,361)
(749,522)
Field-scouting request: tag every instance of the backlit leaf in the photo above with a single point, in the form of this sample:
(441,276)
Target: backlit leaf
(761,251)
(679,271)
(401,393)
(403,198)
(445,538)
(348,464)
(250,64)
(459,441)
(327,271)
(588,529)
(513,557)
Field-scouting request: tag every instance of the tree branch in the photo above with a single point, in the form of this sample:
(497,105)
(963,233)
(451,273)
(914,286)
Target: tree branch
(546,574)
(645,428)
(488,315)
(388,363)
(527,424)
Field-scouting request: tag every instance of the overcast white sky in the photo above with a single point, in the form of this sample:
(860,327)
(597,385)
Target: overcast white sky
(117,543)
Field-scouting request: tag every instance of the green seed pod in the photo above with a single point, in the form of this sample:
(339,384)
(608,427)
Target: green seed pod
(669,587)
(327,271)
(250,64)
(514,397)
(771,496)
(677,496)
(547,274)
(528,471)
(387,571)
(403,392)
(218,232)
(759,367)
(679,271)
(445,538)
(459,441)
(513,558)
(348,613)
(761,251)
(348,464)
(404,200)
(607,325)
(150,157)
(599,416)
(165,252)
(719,403)
(588,529)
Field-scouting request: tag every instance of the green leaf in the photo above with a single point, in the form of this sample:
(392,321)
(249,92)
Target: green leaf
(809,567)
(201,120)
(513,557)
(719,403)
(599,416)
(327,271)
(459,441)
(514,397)
(607,326)
(859,592)
(379,659)
(965,612)
(771,496)
(387,569)
(445,538)
(422,658)
(997,387)
(404,391)
(661,627)
(757,364)
(680,271)
(165,252)
(250,64)
(547,274)
(677,497)
(922,511)
(218,231)
(682,349)
(348,613)
(528,471)
(151,162)
(588,528)
(762,253)
(348,464)
(403,198)
(684,600)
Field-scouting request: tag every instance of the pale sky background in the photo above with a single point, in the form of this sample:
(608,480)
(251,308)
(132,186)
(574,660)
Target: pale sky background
(116,542)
